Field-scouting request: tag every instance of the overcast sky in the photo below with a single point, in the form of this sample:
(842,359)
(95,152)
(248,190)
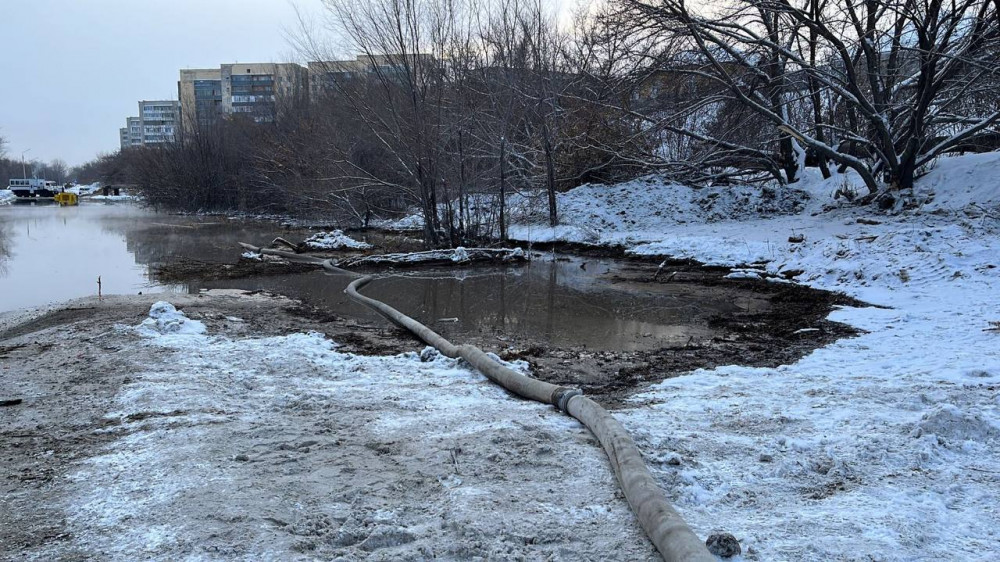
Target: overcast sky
(71,71)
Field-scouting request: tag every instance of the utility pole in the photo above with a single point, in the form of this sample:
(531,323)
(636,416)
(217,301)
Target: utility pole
(24,174)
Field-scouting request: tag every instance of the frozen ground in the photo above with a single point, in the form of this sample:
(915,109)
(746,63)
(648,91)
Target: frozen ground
(880,447)
(165,434)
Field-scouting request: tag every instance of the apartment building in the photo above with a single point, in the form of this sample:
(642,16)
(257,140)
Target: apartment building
(131,133)
(257,89)
(200,95)
(156,124)
(159,121)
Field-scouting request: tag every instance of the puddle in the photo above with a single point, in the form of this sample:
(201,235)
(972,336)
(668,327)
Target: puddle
(50,254)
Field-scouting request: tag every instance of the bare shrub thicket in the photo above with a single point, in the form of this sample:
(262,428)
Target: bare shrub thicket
(454,106)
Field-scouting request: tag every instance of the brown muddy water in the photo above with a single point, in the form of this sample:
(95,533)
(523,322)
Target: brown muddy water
(49,254)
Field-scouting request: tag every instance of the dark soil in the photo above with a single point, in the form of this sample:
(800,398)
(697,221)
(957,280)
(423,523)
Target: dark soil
(793,325)
(180,271)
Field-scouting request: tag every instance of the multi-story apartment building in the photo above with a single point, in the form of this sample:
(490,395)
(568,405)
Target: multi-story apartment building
(155,125)
(131,133)
(159,121)
(257,89)
(200,95)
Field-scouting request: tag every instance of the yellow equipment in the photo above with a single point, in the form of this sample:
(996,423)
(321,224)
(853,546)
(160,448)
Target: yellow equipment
(65,198)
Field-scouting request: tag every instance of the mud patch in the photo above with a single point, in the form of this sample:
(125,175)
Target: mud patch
(782,323)
(186,270)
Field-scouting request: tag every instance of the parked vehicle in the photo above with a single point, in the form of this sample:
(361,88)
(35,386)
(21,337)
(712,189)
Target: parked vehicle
(33,187)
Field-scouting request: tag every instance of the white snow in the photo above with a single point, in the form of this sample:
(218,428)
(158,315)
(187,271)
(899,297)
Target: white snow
(7,196)
(885,446)
(334,240)
(86,189)
(165,319)
(409,223)
(115,198)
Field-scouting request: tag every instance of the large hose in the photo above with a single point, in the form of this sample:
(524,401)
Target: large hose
(666,529)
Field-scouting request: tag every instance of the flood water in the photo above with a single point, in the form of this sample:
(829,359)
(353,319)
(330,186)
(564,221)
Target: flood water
(49,254)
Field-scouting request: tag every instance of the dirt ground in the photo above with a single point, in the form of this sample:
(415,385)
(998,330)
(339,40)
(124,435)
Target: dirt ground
(67,365)
(122,449)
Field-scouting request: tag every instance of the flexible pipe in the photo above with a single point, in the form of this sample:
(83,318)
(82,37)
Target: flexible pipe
(665,528)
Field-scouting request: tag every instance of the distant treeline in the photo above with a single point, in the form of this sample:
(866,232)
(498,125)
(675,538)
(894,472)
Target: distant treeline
(470,101)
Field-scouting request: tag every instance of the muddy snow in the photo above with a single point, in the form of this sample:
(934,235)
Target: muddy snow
(165,431)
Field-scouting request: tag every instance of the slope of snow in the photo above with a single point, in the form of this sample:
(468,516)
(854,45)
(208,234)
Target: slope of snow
(885,446)
(86,189)
(645,208)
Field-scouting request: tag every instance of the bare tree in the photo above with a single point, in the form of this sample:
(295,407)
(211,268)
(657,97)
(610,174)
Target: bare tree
(891,75)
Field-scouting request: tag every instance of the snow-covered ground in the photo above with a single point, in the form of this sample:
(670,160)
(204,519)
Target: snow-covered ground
(881,447)
(224,447)
(7,196)
(85,189)
(115,198)
(334,240)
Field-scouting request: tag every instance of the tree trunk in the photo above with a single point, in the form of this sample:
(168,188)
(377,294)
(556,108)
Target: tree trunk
(503,189)
(550,176)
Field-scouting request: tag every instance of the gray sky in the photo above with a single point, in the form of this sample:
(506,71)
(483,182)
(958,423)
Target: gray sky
(73,70)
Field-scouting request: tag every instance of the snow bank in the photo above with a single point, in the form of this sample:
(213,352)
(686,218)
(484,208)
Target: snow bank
(647,207)
(409,223)
(885,446)
(334,240)
(965,183)
(7,196)
(86,189)
(164,319)
(115,198)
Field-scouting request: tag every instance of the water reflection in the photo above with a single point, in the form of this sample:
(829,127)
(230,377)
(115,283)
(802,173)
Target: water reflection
(546,303)
(51,254)
(57,253)
(5,243)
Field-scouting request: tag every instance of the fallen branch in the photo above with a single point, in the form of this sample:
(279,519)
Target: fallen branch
(286,243)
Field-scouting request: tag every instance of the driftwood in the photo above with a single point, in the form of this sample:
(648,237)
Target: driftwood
(437,257)
(457,256)
(666,529)
(286,243)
